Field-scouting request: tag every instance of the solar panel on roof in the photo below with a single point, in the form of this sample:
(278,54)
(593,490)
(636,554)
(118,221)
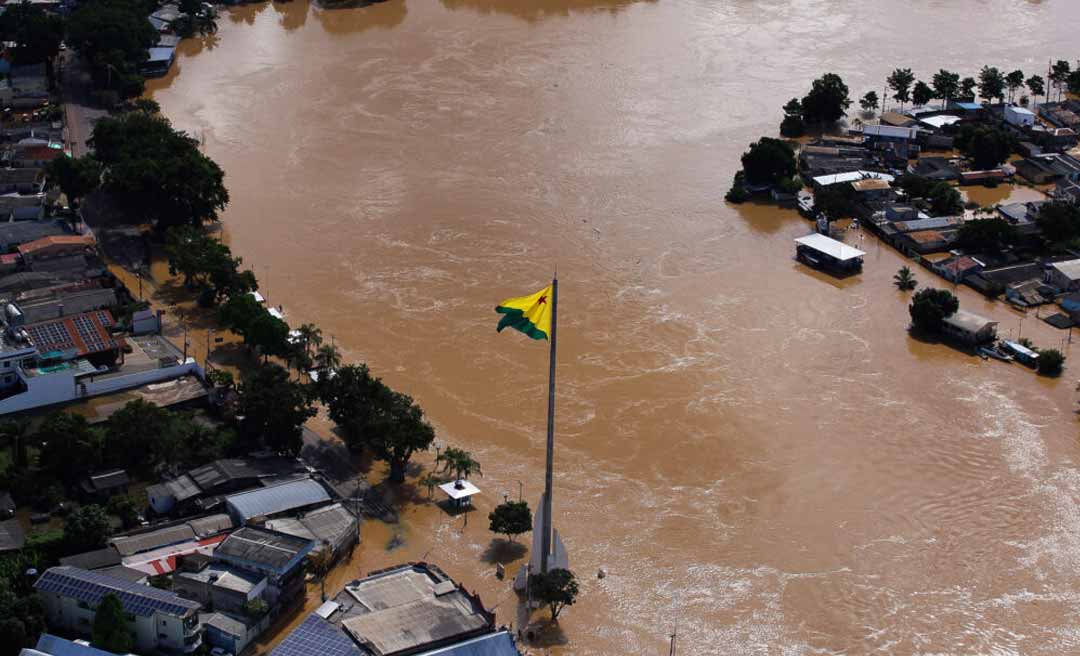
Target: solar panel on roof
(91,587)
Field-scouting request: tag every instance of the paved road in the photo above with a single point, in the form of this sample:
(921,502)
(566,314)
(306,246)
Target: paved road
(332,458)
(79,115)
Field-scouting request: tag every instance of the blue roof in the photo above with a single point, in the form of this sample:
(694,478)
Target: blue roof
(316,637)
(969,105)
(493,644)
(161,54)
(91,587)
(58,646)
(276,499)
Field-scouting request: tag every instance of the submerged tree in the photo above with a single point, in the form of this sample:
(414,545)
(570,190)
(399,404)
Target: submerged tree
(991,83)
(946,85)
(929,308)
(511,519)
(922,94)
(557,588)
(900,81)
(827,101)
(905,279)
(1037,86)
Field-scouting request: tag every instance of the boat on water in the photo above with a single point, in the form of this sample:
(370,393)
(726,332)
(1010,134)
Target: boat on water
(994,352)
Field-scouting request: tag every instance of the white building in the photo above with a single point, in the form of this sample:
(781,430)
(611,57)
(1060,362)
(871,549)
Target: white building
(1020,117)
(160,620)
(1064,275)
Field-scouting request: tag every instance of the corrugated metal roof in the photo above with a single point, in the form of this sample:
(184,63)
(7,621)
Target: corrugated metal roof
(211,525)
(260,546)
(279,498)
(134,544)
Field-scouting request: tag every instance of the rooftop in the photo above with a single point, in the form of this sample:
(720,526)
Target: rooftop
(97,559)
(871,184)
(852,176)
(150,540)
(231,470)
(263,547)
(409,609)
(56,240)
(328,524)
(267,501)
(968,321)
(829,246)
(224,576)
(91,587)
(57,646)
(81,334)
(1069,268)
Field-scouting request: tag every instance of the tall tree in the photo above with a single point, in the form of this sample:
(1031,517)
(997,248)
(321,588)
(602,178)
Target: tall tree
(136,437)
(967,87)
(827,101)
(16,432)
(274,409)
(922,93)
(206,263)
(1037,86)
(111,630)
(310,336)
(1059,75)
(114,36)
(793,124)
(510,519)
(900,81)
(946,85)
(557,588)
(991,83)
(869,102)
(1014,81)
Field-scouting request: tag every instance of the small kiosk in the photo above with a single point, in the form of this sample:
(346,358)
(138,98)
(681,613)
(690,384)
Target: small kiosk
(460,493)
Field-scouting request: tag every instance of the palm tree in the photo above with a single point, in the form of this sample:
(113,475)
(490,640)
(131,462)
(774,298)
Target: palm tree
(904,279)
(327,357)
(460,462)
(310,335)
(430,481)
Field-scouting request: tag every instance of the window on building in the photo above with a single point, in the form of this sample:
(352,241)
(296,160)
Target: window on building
(7,364)
(9,378)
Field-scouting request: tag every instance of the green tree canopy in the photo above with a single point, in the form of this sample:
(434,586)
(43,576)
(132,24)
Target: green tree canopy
(111,630)
(206,263)
(1014,81)
(86,528)
(900,81)
(793,125)
(991,83)
(987,146)
(36,33)
(946,85)
(768,160)
(136,437)
(1051,362)
(114,36)
(70,447)
(558,589)
(1036,85)
(905,279)
(274,409)
(22,617)
(922,93)
(511,519)
(930,306)
(827,101)
(986,235)
(1059,75)
(869,103)
(1059,222)
(157,173)
(944,199)
(967,86)
(76,177)
(835,201)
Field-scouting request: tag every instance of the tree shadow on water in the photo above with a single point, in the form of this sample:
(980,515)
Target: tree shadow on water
(503,551)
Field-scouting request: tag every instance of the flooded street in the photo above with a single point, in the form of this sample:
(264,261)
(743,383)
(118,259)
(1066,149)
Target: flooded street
(757,453)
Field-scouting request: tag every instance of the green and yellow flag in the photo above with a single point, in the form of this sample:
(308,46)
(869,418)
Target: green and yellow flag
(530,314)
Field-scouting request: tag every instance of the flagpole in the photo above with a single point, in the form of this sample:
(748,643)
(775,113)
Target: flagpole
(546,539)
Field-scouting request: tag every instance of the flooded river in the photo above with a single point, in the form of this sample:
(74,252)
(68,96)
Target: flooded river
(759,455)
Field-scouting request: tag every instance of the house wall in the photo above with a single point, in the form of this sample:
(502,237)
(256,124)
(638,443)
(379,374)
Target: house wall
(1061,281)
(60,387)
(151,633)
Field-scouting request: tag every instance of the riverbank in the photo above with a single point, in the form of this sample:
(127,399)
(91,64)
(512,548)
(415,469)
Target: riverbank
(743,442)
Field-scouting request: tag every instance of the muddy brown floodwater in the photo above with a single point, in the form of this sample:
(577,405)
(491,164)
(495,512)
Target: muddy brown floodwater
(758,454)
